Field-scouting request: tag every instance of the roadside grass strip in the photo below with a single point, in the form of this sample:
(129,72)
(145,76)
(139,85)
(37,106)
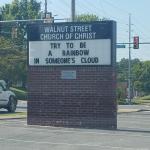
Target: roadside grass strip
(6,115)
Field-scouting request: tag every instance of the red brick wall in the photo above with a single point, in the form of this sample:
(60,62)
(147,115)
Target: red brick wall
(89,101)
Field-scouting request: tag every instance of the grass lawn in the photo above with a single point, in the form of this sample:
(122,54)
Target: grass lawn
(142,100)
(137,101)
(13,115)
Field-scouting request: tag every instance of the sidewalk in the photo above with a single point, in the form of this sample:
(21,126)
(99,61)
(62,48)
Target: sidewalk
(128,110)
(132,108)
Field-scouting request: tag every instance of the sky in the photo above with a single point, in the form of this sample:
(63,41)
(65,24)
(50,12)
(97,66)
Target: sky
(117,10)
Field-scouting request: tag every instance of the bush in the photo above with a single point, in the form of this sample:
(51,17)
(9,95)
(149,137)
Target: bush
(20,94)
(122,102)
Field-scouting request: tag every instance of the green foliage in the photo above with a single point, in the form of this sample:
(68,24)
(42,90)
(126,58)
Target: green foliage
(138,86)
(89,17)
(140,74)
(122,70)
(122,101)
(20,94)
(121,96)
(12,62)
(13,53)
(21,9)
(120,93)
(86,18)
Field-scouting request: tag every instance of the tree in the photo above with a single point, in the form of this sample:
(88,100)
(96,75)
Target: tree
(122,70)
(145,77)
(12,62)
(86,17)
(13,54)
(140,74)
(23,9)
(89,17)
(34,9)
(20,10)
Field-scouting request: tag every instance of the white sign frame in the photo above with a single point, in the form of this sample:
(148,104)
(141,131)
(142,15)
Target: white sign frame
(95,52)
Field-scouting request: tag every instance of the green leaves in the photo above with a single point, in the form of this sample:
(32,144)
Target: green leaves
(140,74)
(23,9)
(12,62)
(86,17)
(13,53)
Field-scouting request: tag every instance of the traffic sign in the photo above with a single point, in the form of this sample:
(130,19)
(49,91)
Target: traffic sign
(120,46)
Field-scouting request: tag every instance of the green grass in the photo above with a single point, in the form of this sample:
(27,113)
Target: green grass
(137,101)
(146,98)
(20,94)
(142,100)
(16,114)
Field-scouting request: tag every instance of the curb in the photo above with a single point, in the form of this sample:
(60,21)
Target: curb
(128,110)
(131,110)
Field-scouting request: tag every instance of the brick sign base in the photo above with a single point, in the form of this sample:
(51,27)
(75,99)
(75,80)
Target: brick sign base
(87,102)
(63,89)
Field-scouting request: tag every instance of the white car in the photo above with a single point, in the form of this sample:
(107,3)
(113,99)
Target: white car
(7,98)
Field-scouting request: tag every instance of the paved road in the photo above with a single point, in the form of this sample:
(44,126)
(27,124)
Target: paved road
(133,134)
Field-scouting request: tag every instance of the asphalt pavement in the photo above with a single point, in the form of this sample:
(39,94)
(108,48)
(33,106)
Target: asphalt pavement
(133,133)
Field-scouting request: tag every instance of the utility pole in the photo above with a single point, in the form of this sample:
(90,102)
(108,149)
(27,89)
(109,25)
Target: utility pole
(45,8)
(129,67)
(72,10)
(0,19)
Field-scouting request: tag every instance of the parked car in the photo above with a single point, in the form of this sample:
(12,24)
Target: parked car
(7,98)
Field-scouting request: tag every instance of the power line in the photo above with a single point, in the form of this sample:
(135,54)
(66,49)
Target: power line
(140,30)
(82,6)
(65,3)
(28,20)
(143,25)
(95,7)
(103,10)
(116,7)
(87,8)
(119,9)
(62,8)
